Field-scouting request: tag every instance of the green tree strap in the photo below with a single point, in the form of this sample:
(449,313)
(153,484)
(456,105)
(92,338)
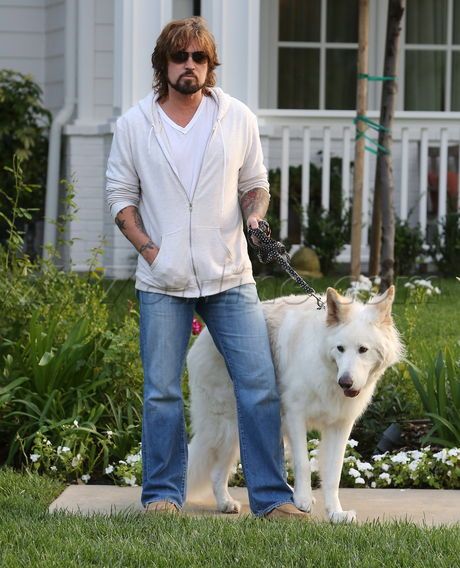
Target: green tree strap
(379,146)
(371,123)
(377,77)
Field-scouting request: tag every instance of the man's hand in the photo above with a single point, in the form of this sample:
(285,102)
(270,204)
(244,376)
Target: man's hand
(254,205)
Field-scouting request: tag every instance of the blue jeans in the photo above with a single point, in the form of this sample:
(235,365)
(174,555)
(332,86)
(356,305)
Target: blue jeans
(236,323)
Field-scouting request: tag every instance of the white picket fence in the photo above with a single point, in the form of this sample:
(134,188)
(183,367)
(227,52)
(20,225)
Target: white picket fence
(425,146)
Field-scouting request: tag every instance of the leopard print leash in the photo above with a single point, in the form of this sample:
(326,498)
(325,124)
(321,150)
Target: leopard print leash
(268,250)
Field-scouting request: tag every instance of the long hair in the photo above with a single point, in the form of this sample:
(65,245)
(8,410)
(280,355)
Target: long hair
(176,36)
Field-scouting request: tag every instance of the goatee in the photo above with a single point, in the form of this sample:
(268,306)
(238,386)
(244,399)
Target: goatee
(186,87)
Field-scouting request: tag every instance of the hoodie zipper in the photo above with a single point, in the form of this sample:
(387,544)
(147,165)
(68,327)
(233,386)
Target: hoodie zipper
(190,201)
(191,206)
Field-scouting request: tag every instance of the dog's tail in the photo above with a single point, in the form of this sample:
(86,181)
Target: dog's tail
(200,464)
(212,453)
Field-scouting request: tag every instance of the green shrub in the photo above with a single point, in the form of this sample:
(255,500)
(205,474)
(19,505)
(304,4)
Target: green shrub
(438,385)
(445,249)
(24,125)
(408,246)
(64,361)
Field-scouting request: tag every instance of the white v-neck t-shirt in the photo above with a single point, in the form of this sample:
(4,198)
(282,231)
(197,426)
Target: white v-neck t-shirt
(187,144)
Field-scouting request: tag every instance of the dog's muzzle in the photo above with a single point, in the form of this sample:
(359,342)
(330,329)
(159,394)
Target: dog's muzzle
(346,383)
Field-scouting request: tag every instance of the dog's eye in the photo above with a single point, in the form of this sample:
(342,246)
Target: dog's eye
(363,349)
(340,348)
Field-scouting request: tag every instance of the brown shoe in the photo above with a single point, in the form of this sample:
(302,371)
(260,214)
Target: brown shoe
(287,511)
(161,507)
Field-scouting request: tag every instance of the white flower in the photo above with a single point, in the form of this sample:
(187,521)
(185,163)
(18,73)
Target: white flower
(313,453)
(48,443)
(352,443)
(34,457)
(75,423)
(373,485)
(130,480)
(133,458)
(122,462)
(363,466)
(62,450)
(441,456)
(454,452)
(416,454)
(76,460)
(109,433)
(400,457)
(108,469)
(386,477)
(354,472)
(349,459)
(414,465)
(86,477)
(360,481)
(379,457)
(53,468)
(385,466)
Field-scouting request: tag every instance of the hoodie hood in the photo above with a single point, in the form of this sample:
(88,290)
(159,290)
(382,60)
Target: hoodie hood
(150,111)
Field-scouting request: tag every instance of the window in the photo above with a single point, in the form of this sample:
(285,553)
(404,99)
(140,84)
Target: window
(316,52)
(432,56)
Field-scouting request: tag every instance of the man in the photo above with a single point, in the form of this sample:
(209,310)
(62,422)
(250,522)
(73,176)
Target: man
(184,170)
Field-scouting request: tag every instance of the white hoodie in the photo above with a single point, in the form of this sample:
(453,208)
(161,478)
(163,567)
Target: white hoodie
(203,250)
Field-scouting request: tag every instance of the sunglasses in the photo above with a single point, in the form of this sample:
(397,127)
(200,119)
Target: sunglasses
(182,56)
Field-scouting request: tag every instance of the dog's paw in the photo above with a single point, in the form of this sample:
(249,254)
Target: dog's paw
(230,506)
(342,517)
(304,502)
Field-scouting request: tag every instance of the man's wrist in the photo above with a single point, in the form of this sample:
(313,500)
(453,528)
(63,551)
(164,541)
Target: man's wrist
(149,251)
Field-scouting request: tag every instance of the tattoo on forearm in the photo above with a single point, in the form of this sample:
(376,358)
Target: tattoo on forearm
(139,223)
(121,224)
(148,245)
(255,201)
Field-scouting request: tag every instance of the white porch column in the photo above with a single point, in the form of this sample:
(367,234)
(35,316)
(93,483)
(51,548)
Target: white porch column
(235,25)
(137,26)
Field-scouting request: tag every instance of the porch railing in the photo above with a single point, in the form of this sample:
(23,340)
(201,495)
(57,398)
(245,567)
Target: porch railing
(425,158)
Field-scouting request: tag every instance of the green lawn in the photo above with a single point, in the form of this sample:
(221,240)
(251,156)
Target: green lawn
(436,323)
(29,536)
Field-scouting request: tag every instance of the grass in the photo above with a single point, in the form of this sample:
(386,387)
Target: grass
(435,324)
(30,536)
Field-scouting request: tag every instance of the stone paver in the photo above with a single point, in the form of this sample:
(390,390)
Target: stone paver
(421,506)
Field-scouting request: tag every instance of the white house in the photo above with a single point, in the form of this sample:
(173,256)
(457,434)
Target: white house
(292,61)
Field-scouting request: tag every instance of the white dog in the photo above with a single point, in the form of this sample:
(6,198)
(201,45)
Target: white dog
(327,366)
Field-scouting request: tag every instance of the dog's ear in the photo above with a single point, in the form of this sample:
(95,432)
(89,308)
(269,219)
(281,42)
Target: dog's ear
(383,304)
(337,307)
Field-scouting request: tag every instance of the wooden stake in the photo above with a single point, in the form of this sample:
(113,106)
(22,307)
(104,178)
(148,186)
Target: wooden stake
(361,107)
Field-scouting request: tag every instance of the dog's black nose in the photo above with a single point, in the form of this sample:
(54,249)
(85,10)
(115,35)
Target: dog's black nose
(345,381)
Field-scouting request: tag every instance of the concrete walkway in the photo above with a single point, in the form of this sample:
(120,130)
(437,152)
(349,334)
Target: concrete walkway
(421,506)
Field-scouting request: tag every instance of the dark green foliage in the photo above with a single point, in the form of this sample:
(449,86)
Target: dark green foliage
(408,247)
(24,126)
(446,246)
(438,385)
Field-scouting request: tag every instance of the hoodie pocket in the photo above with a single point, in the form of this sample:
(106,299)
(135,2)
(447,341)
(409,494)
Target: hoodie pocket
(172,269)
(211,256)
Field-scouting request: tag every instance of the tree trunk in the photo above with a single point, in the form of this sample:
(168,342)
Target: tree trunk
(361,107)
(395,13)
(383,234)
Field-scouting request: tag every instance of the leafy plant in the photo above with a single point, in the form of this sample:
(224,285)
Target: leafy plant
(327,233)
(445,249)
(408,246)
(438,386)
(24,125)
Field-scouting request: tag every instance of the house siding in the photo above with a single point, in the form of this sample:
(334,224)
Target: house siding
(22,37)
